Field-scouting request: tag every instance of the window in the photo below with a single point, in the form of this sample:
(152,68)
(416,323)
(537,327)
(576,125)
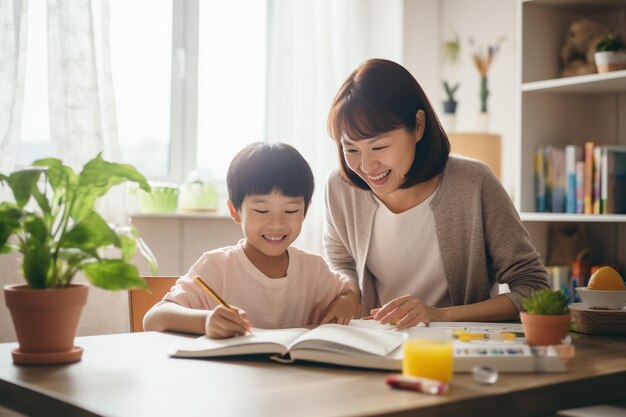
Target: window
(141,61)
(231,80)
(189,80)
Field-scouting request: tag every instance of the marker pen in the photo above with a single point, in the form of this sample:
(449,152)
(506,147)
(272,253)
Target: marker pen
(415,383)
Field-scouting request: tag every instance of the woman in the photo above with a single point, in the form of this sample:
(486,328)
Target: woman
(425,234)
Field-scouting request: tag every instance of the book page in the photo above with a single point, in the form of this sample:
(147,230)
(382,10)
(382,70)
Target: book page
(337,337)
(260,341)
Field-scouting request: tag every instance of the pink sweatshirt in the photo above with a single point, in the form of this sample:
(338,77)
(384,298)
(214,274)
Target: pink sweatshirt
(299,299)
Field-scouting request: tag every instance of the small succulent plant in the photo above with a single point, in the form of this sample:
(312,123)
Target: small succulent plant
(611,42)
(546,302)
(450,91)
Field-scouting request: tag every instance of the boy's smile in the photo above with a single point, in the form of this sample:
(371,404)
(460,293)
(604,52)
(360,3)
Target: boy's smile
(270,223)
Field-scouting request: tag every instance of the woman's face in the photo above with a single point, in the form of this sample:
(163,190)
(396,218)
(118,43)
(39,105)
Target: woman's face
(384,160)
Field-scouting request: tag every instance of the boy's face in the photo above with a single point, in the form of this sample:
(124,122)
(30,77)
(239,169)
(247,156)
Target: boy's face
(270,222)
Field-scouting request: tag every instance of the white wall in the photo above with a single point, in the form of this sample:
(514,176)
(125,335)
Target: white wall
(485,21)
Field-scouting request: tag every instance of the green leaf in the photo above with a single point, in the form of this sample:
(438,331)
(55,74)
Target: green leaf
(97,177)
(74,257)
(36,265)
(10,215)
(147,255)
(129,247)
(23,183)
(61,177)
(113,274)
(42,201)
(91,233)
(36,230)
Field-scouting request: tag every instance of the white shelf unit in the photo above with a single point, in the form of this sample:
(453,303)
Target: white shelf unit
(570,110)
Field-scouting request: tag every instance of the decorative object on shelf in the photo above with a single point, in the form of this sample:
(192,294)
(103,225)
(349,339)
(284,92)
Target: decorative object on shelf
(197,194)
(449,106)
(451,50)
(482,146)
(483,60)
(577,52)
(163,198)
(61,236)
(546,317)
(604,291)
(610,53)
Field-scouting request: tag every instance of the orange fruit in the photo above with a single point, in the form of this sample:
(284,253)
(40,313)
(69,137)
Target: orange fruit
(606,278)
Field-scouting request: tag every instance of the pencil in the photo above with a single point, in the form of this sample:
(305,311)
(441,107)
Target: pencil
(212,293)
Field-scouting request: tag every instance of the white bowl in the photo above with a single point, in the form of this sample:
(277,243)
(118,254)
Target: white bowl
(602,300)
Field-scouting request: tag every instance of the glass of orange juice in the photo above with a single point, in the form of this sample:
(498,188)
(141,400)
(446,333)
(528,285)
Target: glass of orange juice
(428,355)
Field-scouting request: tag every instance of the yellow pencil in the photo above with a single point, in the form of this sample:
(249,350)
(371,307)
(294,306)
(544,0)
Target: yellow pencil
(212,293)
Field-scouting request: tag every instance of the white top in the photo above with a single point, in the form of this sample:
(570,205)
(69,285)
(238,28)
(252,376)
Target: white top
(299,299)
(404,255)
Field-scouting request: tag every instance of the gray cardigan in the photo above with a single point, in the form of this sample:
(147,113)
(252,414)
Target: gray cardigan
(481,237)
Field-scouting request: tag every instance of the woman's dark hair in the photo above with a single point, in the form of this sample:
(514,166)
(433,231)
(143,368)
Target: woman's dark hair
(262,167)
(380,96)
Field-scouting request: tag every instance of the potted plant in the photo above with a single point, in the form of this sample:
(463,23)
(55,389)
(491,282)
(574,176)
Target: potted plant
(54,225)
(546,317)
(610,53)
(449,106)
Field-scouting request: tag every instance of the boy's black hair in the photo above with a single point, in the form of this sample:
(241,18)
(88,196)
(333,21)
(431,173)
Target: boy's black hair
(263,167)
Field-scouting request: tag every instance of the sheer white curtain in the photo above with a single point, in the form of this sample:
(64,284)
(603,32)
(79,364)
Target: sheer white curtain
(312,48)
(13,25)
(81,96)
(82,104)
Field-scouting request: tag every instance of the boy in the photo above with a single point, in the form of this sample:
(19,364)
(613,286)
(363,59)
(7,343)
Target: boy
(269,188)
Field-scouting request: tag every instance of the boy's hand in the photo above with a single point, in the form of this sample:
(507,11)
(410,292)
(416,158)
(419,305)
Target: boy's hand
(341,310)
(222,323)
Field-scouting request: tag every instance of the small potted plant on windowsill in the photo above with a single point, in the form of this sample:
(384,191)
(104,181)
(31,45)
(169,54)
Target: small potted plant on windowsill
(62,236)
(546,317)
(610,53)
(449,106)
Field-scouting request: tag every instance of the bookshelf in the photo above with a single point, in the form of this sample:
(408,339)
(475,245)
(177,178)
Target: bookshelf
(571,110)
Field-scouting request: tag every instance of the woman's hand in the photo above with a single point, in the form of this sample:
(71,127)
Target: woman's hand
(222,323)
(406,311)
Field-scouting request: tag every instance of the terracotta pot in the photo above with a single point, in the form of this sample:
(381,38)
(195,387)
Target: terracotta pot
(545,330)
(45,322)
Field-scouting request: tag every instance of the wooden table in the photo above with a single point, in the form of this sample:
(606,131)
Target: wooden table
(132,375)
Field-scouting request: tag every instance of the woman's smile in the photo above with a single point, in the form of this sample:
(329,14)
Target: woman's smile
(379,179)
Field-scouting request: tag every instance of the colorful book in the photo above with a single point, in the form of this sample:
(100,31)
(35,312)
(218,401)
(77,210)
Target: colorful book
(613,180)
(540,180)
(573,154)
(557,174)
(597,150)
(580,179)
(588,179)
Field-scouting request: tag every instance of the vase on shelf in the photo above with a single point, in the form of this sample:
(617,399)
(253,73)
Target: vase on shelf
(448,119)
(482,122)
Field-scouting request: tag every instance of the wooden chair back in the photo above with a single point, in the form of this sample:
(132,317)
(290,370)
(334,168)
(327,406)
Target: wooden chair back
(140,301)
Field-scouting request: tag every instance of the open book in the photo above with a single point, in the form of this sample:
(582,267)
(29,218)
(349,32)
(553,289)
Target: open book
(369,346)
(329,343)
